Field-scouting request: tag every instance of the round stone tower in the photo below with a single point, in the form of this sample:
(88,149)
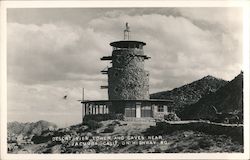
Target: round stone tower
(127,79)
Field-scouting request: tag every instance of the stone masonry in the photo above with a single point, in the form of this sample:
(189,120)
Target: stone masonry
(127,78)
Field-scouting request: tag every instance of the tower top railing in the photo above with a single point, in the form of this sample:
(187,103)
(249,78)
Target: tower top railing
(126,49)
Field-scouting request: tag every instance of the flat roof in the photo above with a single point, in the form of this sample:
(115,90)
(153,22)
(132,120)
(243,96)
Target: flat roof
(128,100)
(126,44)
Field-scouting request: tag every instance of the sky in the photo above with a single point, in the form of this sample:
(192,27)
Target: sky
(56,52)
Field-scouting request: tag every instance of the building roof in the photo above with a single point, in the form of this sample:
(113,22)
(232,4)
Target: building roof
(127,44)
(129,100)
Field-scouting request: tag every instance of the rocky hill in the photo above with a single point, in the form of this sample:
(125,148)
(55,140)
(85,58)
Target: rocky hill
(190,93)
(225,103)
(26,129)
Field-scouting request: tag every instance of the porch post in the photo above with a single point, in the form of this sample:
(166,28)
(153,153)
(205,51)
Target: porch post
(83,110)
(106,111)
(97,109)
(138,110)
(100,109)
(94,111)
(91,108)
(87,108)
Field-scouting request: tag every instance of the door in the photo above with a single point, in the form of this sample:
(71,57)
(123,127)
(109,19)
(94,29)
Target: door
(146,111)
(130,110)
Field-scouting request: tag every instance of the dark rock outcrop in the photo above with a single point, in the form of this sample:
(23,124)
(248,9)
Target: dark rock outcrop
(226,104)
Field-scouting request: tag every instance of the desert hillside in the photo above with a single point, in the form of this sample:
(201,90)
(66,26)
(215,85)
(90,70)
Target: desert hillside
(190,93)
(226,102)
(116,136)
(27,129)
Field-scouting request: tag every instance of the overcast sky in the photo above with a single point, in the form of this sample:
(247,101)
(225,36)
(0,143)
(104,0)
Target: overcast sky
(56,52)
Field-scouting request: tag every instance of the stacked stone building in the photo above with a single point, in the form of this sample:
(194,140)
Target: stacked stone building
(128,84)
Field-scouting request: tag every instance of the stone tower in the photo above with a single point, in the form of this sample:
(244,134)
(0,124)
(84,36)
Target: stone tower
(127,79)
(128,85)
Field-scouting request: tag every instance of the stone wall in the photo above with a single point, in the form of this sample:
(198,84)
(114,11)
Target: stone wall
(127,78)
(103,117)
(125,58)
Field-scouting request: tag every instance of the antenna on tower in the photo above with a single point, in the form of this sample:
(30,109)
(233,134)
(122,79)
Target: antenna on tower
(126,32)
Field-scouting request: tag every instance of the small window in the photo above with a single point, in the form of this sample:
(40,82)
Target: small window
(118,59)
(160,108)
(116,89)
(116,74)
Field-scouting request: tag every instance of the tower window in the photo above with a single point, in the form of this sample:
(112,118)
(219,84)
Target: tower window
(116,74)
(116,89)
(119,59)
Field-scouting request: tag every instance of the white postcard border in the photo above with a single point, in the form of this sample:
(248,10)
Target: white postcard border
(104,4)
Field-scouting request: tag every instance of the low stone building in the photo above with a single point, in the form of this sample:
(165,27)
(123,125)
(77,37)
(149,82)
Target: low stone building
(128,84)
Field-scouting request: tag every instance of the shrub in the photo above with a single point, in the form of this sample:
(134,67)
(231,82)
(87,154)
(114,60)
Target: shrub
(47,150)
(103,117)
(116,123)
(109,130)
(194,146)
(41,139)
(205,144)
(92,124)
(176,149)
(157,150)
(171,117)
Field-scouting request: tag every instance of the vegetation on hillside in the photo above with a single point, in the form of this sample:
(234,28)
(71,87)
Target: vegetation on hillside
(226,104)
(190,93)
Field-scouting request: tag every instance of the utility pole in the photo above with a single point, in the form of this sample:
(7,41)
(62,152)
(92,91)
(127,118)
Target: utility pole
(83,105)
(82,94)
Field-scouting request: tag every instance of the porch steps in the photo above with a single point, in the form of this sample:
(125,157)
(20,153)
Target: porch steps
(142,119)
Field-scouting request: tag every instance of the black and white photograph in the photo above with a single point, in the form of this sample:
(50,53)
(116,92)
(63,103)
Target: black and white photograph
(112,80)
